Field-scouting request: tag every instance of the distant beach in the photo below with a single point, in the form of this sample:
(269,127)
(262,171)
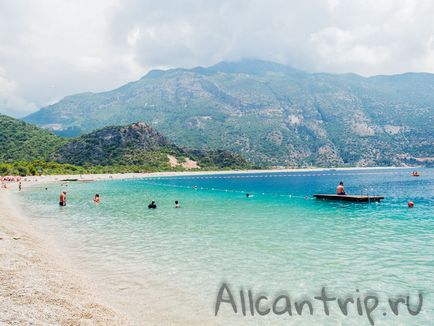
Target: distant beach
(30,180)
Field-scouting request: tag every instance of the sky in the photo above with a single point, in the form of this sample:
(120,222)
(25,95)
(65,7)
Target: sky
(53,48)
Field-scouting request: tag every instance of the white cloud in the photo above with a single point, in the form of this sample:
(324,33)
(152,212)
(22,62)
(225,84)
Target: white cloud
(53,48)
(344,48)
(10,101)
(133,36)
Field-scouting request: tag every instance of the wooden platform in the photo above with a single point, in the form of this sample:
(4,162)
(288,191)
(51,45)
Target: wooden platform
(357,199)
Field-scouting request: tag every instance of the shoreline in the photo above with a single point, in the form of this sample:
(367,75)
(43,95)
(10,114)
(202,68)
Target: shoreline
(38,284)
(30,180)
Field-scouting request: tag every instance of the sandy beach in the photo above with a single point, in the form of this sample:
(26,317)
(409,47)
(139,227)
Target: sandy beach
(37,286)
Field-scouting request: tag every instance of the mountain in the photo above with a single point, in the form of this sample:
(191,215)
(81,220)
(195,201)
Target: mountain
(270,113)
(20,141)
(138,144)
(135,144)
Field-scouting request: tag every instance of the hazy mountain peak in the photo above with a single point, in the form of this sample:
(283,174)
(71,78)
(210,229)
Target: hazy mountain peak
(252,66)
(243,66)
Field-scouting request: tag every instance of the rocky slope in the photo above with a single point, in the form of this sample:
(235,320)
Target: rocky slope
(141,145)
(135,144)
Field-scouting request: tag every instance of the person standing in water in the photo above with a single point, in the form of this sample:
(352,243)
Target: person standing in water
(177,204)
(19,186)
(152,205)
(340,190)
(96,199)
(62,198)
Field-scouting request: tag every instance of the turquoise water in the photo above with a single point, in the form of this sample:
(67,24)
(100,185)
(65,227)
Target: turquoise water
(170,263)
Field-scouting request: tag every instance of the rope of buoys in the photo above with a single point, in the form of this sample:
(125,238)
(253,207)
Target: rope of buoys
(269,175)
(259,175)
(226,190)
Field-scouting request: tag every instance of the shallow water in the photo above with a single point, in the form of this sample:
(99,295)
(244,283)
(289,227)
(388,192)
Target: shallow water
(168,264)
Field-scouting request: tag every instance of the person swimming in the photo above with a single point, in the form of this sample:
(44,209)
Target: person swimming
(62,198)
(96,199)
(177,204)
(340,190)
(152,205)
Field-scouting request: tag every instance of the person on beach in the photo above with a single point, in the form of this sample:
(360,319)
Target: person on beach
(340,190)
(152,205)
(19,186)
(96,199)
(62,198)
(177,204)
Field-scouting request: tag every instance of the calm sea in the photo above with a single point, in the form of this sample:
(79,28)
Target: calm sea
(167,265)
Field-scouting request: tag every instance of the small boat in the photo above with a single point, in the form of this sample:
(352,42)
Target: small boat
(351,198)
(69,180)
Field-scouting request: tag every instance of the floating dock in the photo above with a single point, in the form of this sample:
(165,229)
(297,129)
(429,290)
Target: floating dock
(357,199)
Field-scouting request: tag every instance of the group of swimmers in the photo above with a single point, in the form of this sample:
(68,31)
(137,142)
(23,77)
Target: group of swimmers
(62,198)
(153,205)
(97,200)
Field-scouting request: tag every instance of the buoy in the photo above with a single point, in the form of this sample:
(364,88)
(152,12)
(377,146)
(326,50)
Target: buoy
(410,204)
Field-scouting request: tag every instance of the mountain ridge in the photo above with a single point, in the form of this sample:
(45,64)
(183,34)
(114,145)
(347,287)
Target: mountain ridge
(270,113)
